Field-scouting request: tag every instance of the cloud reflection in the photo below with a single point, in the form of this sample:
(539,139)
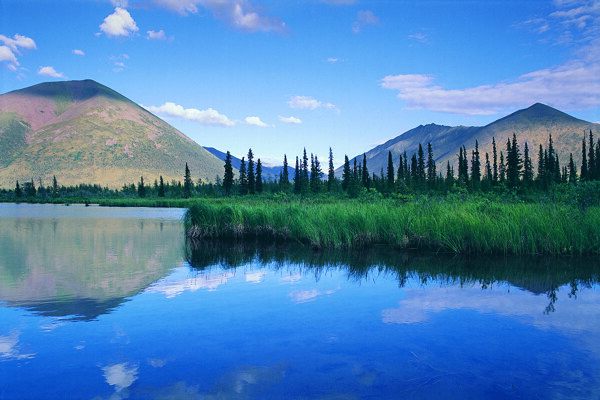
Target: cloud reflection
(303,296)
(9,348)
(120,375)
(174,287)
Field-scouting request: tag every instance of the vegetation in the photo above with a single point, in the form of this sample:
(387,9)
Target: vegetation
(499,206)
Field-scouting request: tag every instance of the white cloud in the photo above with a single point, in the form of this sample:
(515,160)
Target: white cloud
(160,35)
(419,37)
(119,23)
(203,117)
(78,52)
(574,85)
(255,121)
(364,18)
(9,348)
(237,13)
(51,72)
(119,62)
(290,120)
(12,46)
(120,375)
(308,103)
(333,59)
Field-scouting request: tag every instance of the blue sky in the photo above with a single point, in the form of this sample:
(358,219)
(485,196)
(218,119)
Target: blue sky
(281,75)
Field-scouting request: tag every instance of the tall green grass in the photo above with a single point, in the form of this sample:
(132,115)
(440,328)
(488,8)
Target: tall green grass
(468,226)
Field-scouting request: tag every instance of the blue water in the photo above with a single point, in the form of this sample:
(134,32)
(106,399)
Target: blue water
(100,303)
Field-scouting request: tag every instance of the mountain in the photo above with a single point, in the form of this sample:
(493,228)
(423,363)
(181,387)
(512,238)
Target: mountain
(532,125)
(268,171)
(85,132)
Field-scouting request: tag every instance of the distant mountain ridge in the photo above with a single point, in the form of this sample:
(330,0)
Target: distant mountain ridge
(532,125)
(85,132)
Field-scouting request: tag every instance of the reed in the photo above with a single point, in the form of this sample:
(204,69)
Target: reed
(467,226)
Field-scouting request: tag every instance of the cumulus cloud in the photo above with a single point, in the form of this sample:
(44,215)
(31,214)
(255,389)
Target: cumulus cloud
(203,117)
(364,18)
(160,35)
(78,52)
(574,85)
(255,121)
(119,23)
(51,72)
(11,47)
(309,103)
(290,120)
(238,13)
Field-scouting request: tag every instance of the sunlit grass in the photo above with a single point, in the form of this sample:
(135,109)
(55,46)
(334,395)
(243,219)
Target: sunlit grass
(472,226)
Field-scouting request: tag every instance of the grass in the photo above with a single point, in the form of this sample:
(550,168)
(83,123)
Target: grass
(461,226)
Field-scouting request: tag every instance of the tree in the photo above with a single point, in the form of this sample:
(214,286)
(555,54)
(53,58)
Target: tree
(284,177)
(187,183)
(259,182)
(297,178)
(18,191)
(365,173)
(315,174)
(29,188)
(346,174)
(250,173)
(514,162)
(572,170)
(475,167)
(463,167)
(527,168)
(431,170)
(54,186)
(591,159)
(228,175)
(331,174)
(421,175)
(243,182)
(141,188)
(161,187)
(495,157)
(584,165)
(449,175)
(305,187)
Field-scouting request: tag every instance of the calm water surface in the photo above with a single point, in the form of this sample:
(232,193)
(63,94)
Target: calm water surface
(110,303)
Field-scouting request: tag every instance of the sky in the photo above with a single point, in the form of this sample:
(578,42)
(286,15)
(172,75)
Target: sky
(279,76)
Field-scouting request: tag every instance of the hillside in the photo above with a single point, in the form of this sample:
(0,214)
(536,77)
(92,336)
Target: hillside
(532,125)
(85,132)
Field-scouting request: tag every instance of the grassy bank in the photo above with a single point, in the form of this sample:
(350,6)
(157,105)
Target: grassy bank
(462,226)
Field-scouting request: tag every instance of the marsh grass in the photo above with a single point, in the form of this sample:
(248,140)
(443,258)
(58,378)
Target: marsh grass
(461,226)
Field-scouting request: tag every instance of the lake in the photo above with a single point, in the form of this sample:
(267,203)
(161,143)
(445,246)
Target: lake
(113,303)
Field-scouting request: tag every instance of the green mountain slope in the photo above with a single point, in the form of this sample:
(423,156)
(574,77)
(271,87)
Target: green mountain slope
(84,132)
(532,125)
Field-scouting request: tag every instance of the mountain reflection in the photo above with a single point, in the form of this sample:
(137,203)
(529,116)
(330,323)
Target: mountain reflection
(537,275)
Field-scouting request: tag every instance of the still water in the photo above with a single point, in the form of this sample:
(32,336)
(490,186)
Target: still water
(111,303)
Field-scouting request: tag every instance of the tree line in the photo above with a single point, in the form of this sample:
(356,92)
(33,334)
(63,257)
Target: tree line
(506,168)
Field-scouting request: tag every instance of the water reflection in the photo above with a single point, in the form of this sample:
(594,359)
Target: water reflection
(536,275)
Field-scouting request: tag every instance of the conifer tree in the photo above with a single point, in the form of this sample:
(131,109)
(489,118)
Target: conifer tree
(514,162)
(527,168)
(463,167)
(584,165)
(390,171)
(400,176)
(414,171)
(243,181)
(284,178)
(331,174)
(297,177)
(365,173)
(315,174)
(495,159)
(501,169)
(475,167)
(421,174)
(141,188)
(591,158)
(346,174)
(304,174)
(597,161)
(572,170)
(259,182)
(488,169)
(228,175)
(18,191)
(541,177)
(431,169)
(449,175)
(187,182)
(251,177)
(54,186)
(161,187)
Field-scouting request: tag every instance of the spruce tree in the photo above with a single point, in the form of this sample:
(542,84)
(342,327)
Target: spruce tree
(346,174)
(449,175)
(527,168)
(315,174)
(187,183)
(161,187)
(541,177)
(304,174)
(284,178)
(572,170)
(331,174)
(141,188)
(475,167)
(400,176)
(259,182)
(584,165)
(431,169)
(54,186)
(390,171)
(297,178)
(495,159)
(421,174)
(514,162)
(591,158)
(243,181)
(488,169)
(18,191)
(251,177)
(501,169)
(597,161)
(228,175)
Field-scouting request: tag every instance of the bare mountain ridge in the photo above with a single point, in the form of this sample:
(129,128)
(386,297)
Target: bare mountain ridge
(532,125)
(85,132)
